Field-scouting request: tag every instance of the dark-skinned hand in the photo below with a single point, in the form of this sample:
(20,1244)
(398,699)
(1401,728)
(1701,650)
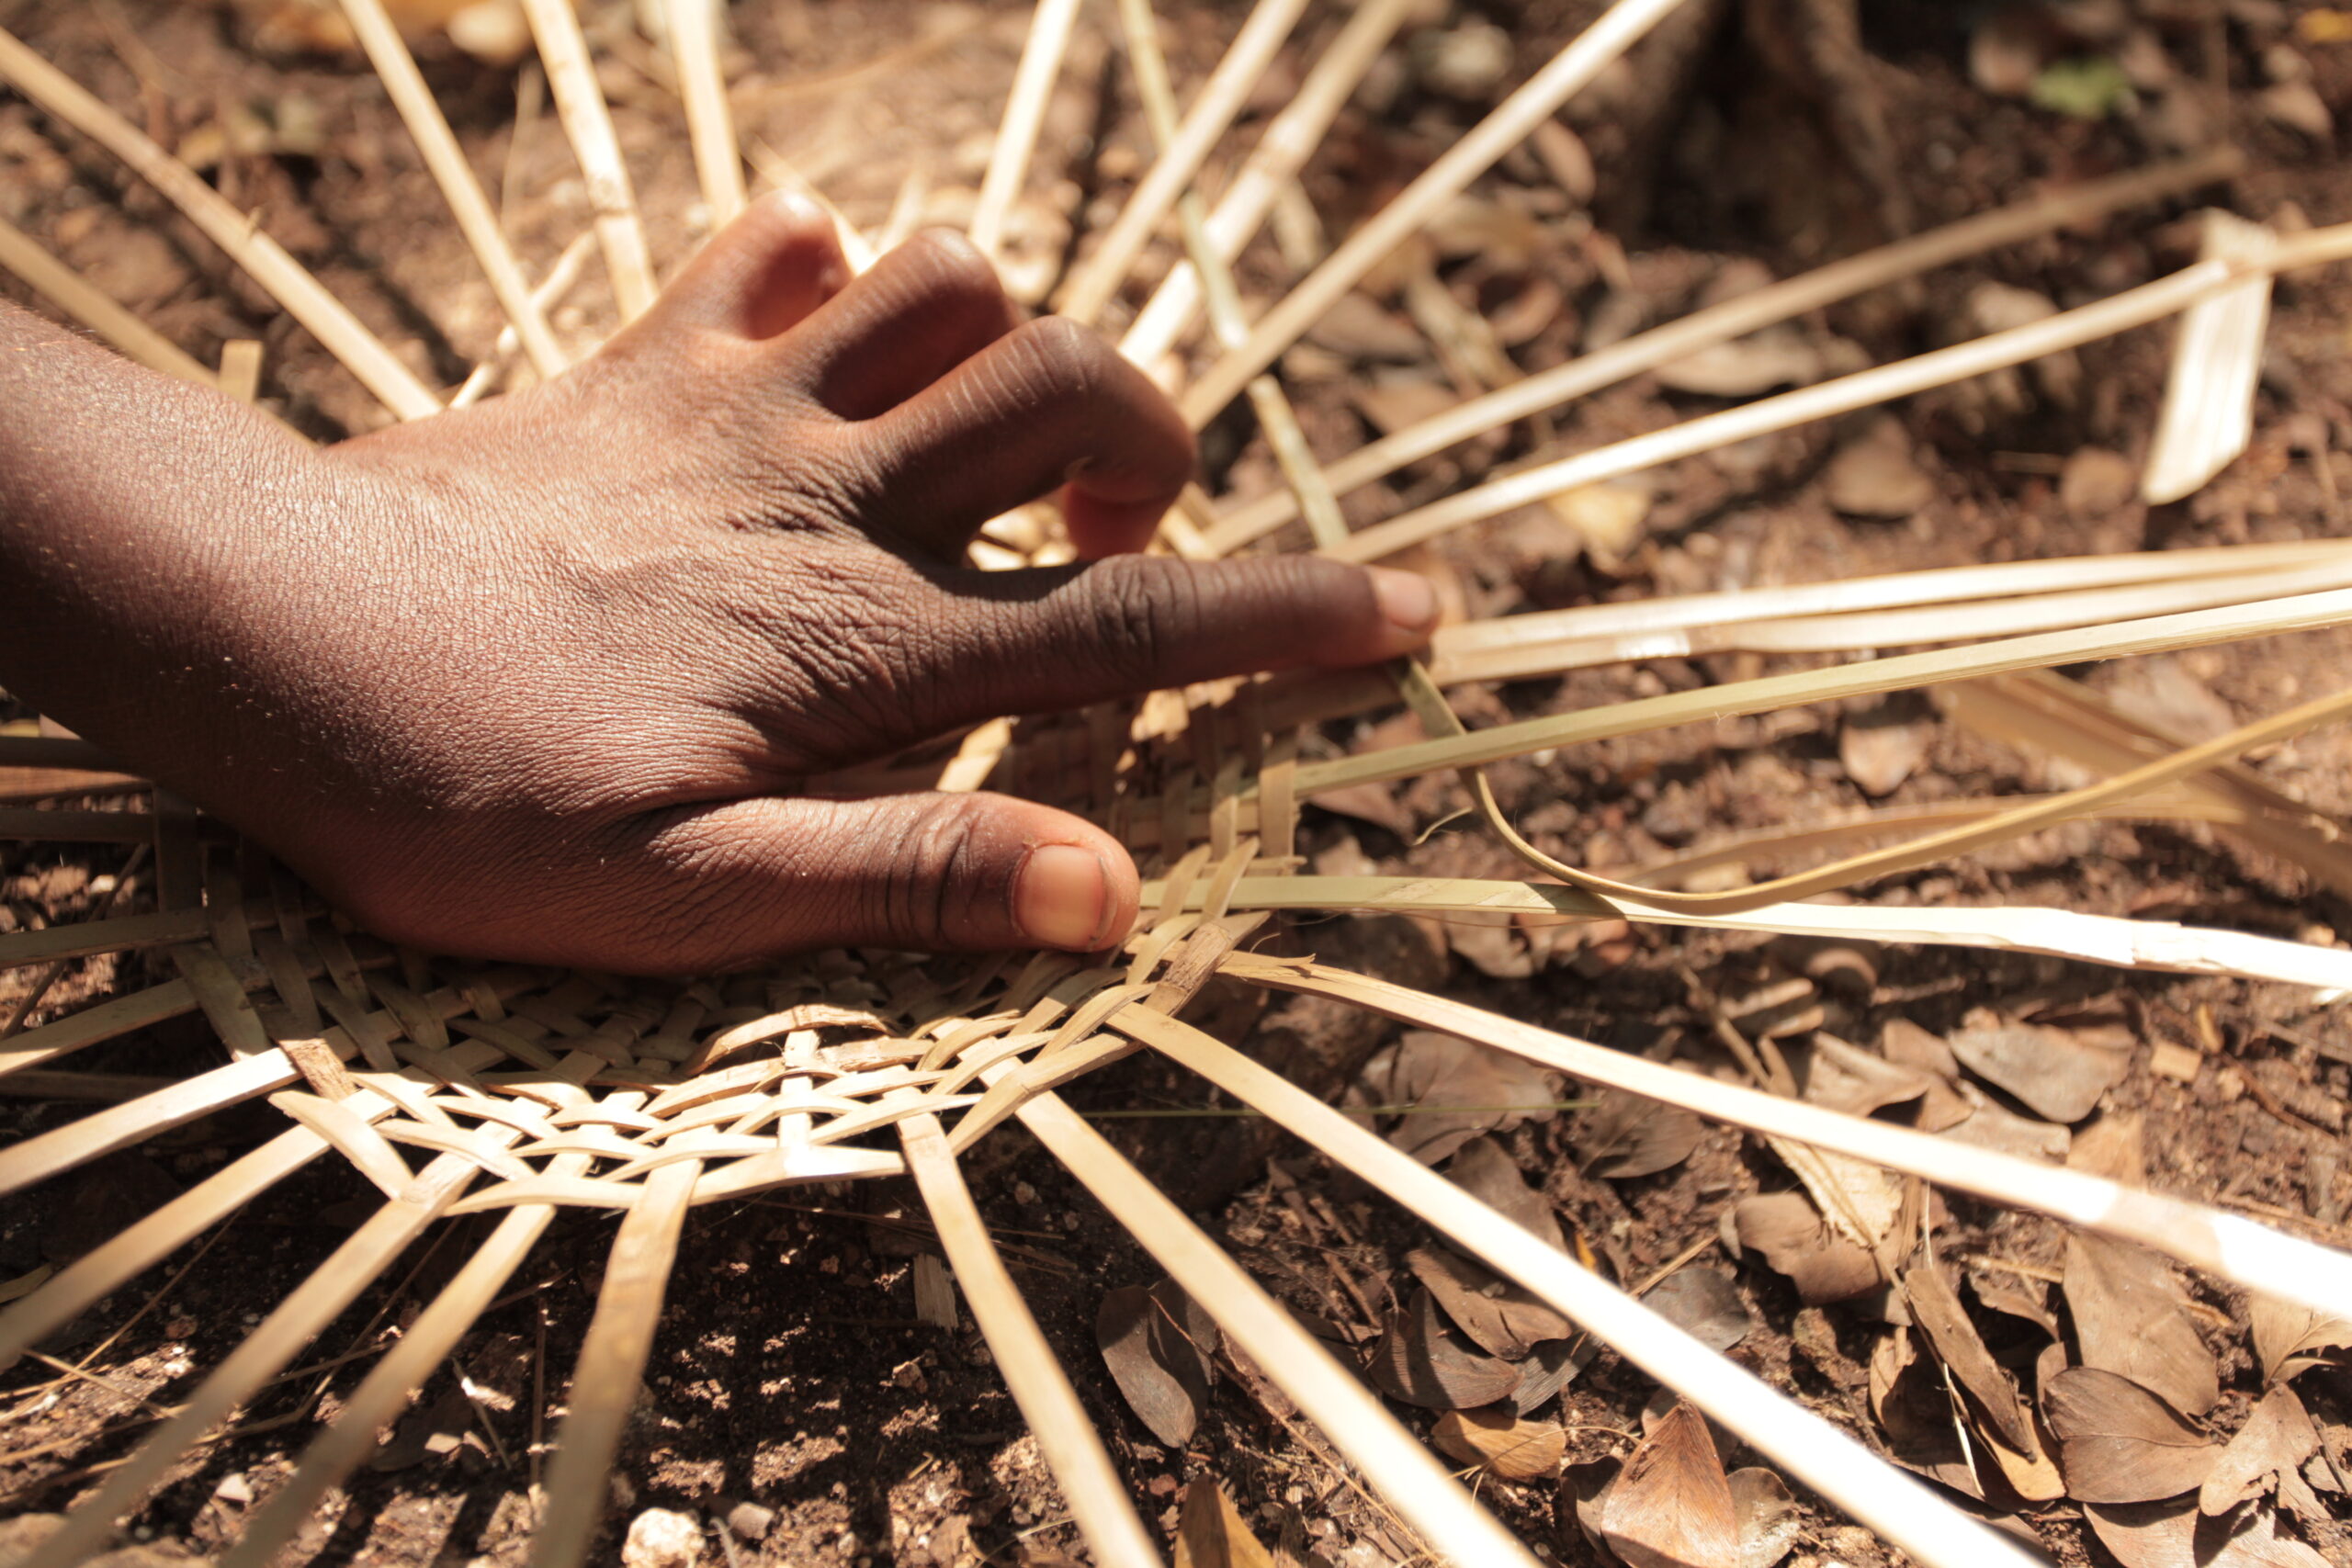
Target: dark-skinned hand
(540,680)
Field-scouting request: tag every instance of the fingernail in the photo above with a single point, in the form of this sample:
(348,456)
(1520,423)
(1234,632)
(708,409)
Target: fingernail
(1061,898)
(1406,599)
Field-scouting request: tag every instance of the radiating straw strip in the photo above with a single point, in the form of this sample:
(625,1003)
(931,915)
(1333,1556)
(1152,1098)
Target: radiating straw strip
(1617,29)
(559,282)
(611,1369)
(2071,329)
(2233,1249)
(1266,397)
(285,279)
(1901,1510)
(1406,1478)
(1040,1388)
(64,287)
(265,1352)
(1024,113)
(1734,318)
(1182,150)
(588,125)
(2160,634)
(384,1395)
(404,84)
(710,123)
(1290,140)
(2208,412)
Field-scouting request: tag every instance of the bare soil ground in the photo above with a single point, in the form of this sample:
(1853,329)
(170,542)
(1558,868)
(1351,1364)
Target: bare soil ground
(792,1373)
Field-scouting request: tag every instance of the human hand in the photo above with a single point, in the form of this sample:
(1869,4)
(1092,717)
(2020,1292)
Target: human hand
(539,680)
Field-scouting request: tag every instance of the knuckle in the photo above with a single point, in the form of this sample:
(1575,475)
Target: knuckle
(1138,611)
(943,262)
(928,884)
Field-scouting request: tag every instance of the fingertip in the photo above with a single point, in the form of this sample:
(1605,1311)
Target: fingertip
(1408,606)
(1074,896)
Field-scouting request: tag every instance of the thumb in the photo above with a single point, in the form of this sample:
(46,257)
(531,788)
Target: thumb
(749,879)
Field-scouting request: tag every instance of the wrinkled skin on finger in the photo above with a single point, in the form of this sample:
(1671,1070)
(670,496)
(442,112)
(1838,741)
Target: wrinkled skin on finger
(539,680)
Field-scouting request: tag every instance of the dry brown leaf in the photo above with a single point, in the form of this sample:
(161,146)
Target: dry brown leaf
(1936,1312)
(1434,1071)
(1992,1125)
(1420,1361)
(1768,1521)
(2288,1338)
(2055,1072)
(2114,1146)
(1777,357)
(1905,1044)
(1498,1439)
(1500,1318)
(1844,1079)
(1671,1506)
(1876,476)
(1624,1135)
(2119,1443)
(2131,1318)
(2172,1534)
(1158,1344)
(1211,1533)
(1787,1229)
(1704,1302)
(2269,1451)
(1483,1168)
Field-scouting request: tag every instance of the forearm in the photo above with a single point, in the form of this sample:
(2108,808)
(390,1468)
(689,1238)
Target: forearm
(150,536)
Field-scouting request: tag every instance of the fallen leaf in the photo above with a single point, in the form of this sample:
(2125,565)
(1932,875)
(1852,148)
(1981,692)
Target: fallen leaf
(1420,1361)
(1550,1367)
(1498,1439)
(2114,1146)
(1992,1125)
(1211,1533)
(2131,1318)
(1787,1229)
(1624,1135)
(1389,405)
(1606,516)
(1671,1504)
(1158,1343)
(1373,802)
(2172,1534)
(1768,1521)
(2269,1451)
(2053,1071)
(1936,1312)
(1500,1317)
(1434,1071)
(1704,1302)
(1357,327)
(1843,1077)
(1905,1044)
(2119,1443)
(2290,1338)
(1483,1169)
(1777,357)
(1876,476)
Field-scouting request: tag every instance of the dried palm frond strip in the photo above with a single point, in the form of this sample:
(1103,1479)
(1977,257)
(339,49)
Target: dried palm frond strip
(396,68)
(305,298)
(2207,414)
(2230,1248)
(1900,1510)
(1024,113)
(1864,388)
(1734,318)
(588,125)
(710,122)
(1589,54)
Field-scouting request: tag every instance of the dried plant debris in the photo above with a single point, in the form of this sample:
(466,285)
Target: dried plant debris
(2119,1443)
(2267,1455)
(1211,1532)
(1419,1360)
(1460,1090)
(1769,1519)
(2288,1339)
(2172,1534)
(1704,1302)
(1788,1230)
(2056,1073)
(1498,1318)
(1500,1440)
(2131,1317)
(1937,1312)
(1671,1506)
(1624,1135)
(1485,1171)
(1160,1346)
